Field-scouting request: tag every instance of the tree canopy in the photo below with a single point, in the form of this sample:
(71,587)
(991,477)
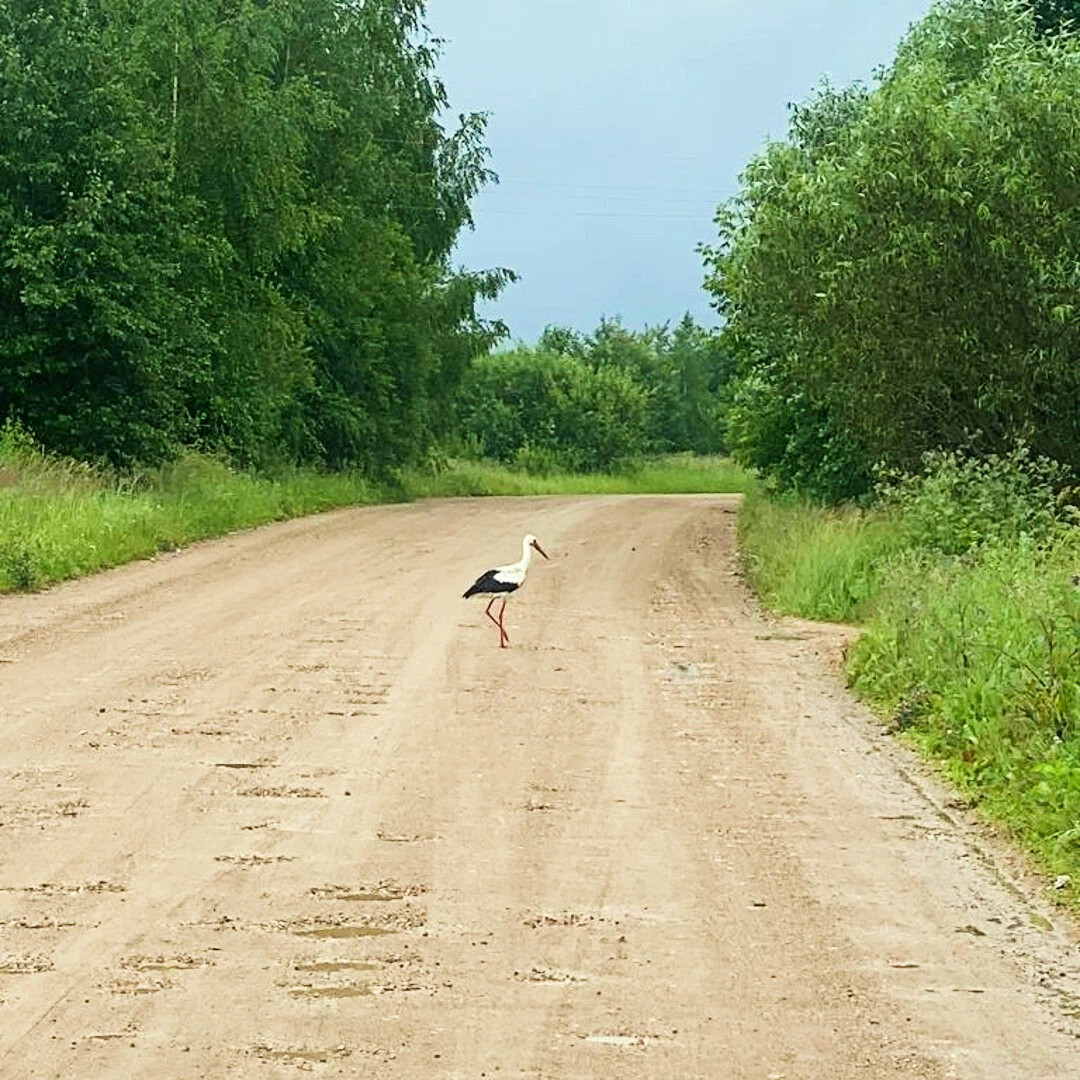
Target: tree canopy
(596,401)
(899,274)
(228,224)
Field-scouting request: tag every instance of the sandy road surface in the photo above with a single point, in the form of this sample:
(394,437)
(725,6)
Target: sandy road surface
(277,804)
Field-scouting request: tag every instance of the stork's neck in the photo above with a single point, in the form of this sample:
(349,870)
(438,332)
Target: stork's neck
(526,554)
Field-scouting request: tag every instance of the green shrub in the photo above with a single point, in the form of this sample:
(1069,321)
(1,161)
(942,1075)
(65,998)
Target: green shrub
(815,561)
(547,411)
(989,643)
(957,503)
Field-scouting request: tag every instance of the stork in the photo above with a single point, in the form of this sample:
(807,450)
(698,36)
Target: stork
(504,580)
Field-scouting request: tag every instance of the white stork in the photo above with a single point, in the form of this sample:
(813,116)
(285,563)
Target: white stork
(504,580)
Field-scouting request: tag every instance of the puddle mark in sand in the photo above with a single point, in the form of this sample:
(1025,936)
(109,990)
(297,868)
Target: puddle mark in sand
(331,967)
(49,888)
(222,922)
(134,987)
(620,1040)
(320,772)
(35,815)
(247,861)
(345,927)
(176,962)
(381,891)
(532,807)
(404,838)
(345,931)
(24,922)
(332,993)
(548,976)
(304,1057)
(25,965)
(106,1036)
(268,764)
(283,792)
(566,918)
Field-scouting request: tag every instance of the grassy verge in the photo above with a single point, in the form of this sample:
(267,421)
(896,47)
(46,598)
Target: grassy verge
(973,655)
(810,561)
(60,519)
(678,474)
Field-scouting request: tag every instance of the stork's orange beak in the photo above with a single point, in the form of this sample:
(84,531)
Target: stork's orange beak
(536,544)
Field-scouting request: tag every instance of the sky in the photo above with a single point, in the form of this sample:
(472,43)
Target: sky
(618,126)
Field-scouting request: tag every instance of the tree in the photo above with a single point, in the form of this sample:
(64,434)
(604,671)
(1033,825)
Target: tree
(1053,16)
(229,224)
(600,400)
(914,287)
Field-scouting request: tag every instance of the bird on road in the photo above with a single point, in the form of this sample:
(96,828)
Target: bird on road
(504,580)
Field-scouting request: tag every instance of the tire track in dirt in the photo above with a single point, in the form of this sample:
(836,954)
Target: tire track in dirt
(277,803)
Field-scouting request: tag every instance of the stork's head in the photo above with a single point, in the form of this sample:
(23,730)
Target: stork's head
(532,542)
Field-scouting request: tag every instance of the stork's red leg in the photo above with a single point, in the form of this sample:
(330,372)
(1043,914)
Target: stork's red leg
(504,637)
(487,611)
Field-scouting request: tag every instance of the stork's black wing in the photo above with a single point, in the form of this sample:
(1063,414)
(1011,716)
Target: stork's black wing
(489,582)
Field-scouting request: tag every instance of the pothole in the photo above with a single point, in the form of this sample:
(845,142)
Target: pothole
(299,1055)
(333,967)
(25,965)
(549,976)
(161,962)
(370,893)
(345,927)
(331,992)
(281,792)
(345,931)
(137,987)
(620,1040)
(254,860)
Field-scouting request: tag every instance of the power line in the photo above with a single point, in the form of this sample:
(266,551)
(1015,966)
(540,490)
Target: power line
(627,215)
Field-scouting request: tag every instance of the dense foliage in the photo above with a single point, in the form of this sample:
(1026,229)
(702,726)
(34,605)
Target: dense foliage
(899,274)
(1053,16)
(591,402)
(227,224)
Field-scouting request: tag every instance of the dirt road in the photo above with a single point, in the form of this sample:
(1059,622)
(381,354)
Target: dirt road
(278,804)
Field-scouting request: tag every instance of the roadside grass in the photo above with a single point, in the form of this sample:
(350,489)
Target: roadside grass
(977,657)
(812,561)
(61,519)
(683,474)
(972,655)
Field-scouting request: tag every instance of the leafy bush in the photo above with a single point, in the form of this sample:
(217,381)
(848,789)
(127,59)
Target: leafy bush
(597,402)
(957,503)
(816,561)
(549,411)
(899,273)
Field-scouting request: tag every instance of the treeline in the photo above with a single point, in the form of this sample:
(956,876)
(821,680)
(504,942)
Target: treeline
(899,275)
(227,225)
(587,403)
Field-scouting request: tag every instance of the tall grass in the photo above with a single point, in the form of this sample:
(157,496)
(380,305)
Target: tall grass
(676,474)
(61,519)
(817,562)
(964,580)
(978,657)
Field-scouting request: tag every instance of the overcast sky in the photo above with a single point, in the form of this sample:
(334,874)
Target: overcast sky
(617,126)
